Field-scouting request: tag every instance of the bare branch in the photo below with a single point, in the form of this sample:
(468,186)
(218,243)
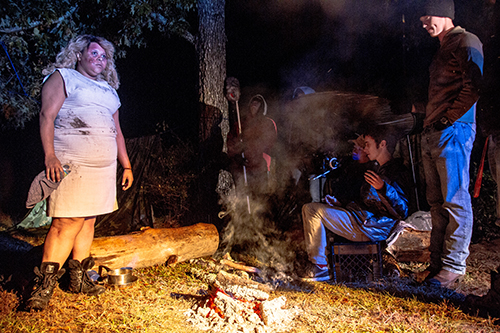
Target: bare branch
(187,36)
(184,33)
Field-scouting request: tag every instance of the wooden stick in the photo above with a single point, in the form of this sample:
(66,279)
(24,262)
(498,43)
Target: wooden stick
(477,186)
(232,264)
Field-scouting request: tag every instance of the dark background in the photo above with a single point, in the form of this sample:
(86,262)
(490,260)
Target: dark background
(367,46)
(274,46)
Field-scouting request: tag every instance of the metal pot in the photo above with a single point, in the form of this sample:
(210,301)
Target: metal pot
(119,277)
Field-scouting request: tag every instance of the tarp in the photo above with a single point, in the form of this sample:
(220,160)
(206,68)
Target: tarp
(36,217)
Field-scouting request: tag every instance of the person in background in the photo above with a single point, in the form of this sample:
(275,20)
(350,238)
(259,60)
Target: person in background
(308,161)
(381,201)
(358,150)
(301,91)
(447,140)
(79,126)
(256,142)
(232,93)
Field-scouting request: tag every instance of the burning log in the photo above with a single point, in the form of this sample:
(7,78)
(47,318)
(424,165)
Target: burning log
(228,279)
(151,247)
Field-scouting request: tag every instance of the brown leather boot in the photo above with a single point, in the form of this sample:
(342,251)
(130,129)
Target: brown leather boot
(445,279)
(43,285)
(79,281)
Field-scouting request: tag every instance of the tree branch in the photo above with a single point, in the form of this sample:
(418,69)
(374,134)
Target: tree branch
(35,24)
(183,33)
(188,36)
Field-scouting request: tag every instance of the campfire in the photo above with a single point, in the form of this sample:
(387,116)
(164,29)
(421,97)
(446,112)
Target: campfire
(239,304)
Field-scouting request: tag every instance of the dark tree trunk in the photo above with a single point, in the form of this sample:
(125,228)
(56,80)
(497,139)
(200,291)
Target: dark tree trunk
(211,49)
(210,45)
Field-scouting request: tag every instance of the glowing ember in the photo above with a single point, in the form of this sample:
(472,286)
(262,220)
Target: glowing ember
(221,311)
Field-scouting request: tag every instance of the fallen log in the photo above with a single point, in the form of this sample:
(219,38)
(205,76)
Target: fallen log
(152,246)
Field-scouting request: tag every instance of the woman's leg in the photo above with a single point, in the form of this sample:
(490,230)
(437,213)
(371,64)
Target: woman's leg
(58,245)
(60,239)
(81,261)
(83,241)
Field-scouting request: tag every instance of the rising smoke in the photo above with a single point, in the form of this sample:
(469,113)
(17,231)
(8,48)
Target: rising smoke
(325,38)
(318,123)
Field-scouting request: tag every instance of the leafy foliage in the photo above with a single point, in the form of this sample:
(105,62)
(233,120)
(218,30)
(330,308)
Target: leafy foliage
(33,31)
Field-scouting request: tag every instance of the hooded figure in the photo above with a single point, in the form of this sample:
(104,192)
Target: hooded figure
(256,141)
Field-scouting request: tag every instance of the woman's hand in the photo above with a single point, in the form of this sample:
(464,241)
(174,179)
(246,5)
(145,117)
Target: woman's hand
(332,201)
(127,179)
(374,180)
(53,168)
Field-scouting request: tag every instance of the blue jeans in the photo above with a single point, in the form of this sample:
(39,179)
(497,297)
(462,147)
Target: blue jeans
(446,159)
(318,217)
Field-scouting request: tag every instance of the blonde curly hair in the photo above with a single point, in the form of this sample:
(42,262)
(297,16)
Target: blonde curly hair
(67,58)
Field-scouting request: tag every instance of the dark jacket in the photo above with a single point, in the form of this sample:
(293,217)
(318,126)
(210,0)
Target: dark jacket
(455,78)
(378,211)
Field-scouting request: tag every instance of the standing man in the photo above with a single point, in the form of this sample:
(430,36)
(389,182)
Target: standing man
(447,139)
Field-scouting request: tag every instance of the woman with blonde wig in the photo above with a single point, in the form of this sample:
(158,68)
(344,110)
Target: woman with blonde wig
(79,128)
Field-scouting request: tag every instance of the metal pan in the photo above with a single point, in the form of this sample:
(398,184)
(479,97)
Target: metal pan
(118,277)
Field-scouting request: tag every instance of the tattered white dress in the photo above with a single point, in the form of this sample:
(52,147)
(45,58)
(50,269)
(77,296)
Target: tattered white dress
(85,138)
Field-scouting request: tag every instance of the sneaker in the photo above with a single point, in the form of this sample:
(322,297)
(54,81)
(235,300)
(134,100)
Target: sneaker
(315,273)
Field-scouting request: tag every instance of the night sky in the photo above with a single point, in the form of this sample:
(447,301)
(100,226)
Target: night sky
(358,46)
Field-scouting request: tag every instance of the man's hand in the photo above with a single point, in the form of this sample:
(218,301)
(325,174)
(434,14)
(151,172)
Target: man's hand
(374,180)
(332,201)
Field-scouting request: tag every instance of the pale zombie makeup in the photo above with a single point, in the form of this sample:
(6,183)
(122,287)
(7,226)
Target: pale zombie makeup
(93,61)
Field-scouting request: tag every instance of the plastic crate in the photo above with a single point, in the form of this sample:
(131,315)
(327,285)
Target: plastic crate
(356,262)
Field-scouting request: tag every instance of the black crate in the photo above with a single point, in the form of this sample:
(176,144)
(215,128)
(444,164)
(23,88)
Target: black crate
(356,262)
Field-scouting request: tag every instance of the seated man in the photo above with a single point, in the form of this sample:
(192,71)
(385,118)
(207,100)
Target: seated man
(345,182)
(370,217)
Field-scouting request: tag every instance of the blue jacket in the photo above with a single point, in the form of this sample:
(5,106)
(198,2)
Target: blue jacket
(378,211)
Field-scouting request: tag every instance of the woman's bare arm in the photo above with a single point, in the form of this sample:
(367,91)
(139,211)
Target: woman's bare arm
(53,96)
(127,177)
